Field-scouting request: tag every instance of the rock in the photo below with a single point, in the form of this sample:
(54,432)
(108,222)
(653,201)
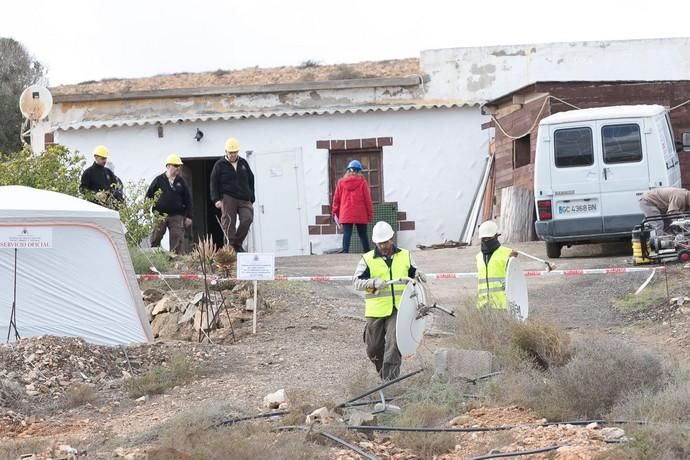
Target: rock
(592,426)
(613,434)
(188,314)
(390,408)
(33,392)
(461,420)
(197,298)
(321,415)
(358,417)
(143,399)
(152,295)
(162,305)
(274,400)
(165,324)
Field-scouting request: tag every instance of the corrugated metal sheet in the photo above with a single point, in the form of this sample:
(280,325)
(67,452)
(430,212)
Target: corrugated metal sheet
(113,123)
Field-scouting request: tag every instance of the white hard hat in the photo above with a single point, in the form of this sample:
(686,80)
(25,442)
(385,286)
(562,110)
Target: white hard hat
(382,232)
(488,229)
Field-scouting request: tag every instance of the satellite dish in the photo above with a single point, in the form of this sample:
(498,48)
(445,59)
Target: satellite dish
(35,102)
(408,329)
(516,290)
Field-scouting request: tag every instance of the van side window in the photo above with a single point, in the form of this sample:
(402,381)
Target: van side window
(573,147)
(621,143)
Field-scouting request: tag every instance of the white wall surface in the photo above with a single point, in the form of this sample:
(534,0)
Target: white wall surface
(484,73)
(431,170)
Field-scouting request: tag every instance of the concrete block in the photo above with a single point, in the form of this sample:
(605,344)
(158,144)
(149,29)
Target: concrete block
(463,363)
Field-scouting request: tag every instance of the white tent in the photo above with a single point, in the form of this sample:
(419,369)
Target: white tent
(74,276)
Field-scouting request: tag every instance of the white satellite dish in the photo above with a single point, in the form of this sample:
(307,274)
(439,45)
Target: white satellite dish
(408,329)
(35,102)
(516,290)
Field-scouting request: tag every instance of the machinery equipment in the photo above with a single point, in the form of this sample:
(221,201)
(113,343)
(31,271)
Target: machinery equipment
(650,246)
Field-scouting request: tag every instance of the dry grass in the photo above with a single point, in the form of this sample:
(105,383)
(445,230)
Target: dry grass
(80,394)
(672,404)
(516,344)
(668,442)
(425,445)
(178,371)
(14,448)
(301,404)
(11,393)
(191,433)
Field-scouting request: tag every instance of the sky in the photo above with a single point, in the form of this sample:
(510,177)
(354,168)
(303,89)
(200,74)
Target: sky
(84,40)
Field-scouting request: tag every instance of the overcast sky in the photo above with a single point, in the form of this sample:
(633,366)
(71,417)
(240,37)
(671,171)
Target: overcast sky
(89,40)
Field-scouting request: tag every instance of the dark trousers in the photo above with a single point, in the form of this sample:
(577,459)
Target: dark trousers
(232,207)
(382,349)
(175,224)
(347,235)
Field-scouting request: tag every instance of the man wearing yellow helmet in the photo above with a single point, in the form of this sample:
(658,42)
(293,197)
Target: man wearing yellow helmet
(174,201)
(99,183)
(232,191)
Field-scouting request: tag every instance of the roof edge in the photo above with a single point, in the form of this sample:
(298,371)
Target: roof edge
(412,80)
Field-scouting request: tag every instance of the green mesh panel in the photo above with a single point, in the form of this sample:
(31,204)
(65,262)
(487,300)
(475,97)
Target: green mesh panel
(387,212)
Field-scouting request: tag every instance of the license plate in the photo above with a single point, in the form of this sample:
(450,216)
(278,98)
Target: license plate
(577,208)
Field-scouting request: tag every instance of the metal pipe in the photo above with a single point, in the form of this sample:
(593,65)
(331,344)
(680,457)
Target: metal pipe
(517,453)
(380,387)
(250,417)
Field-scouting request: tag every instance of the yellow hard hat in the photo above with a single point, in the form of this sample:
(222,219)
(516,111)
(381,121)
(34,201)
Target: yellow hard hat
(173,160)
(101,151)
(231,145)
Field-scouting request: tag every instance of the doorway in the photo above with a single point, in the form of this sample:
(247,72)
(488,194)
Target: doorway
(196,172)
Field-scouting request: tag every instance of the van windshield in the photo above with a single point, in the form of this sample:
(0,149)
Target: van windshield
(573,147)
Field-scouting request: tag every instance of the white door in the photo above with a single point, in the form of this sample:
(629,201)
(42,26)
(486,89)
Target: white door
(624,172)
(575,174)
(279,210)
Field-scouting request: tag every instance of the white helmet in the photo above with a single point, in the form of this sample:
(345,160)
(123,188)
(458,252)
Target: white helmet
(488,229)
(382,232)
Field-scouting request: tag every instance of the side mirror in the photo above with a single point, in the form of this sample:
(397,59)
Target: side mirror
(686,142)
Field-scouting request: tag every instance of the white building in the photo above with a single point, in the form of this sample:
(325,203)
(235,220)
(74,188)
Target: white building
(415,125)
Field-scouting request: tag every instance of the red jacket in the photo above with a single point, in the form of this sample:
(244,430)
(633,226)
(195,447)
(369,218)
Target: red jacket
(352,201)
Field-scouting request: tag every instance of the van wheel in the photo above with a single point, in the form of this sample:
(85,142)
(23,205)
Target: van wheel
(553,250)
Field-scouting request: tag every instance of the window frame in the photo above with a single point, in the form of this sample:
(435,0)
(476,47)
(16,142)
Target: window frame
(336,169)
(591,140)
(639,143)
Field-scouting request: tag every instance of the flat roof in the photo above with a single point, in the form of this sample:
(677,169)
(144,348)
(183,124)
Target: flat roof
(598,113)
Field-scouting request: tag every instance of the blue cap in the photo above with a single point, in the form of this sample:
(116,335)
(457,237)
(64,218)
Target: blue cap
(354,164)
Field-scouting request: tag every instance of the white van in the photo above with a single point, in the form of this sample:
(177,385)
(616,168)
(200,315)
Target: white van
(592,165)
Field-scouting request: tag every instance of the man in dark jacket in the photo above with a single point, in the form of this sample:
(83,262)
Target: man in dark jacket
(174,201)
(232,191)
(99,184)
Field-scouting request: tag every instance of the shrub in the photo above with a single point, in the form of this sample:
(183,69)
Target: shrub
(179,371)
(11,393)
(144,260)
(601,373)
(668,442)
(545,345)
(80,394)
(426,445)
(57,169)
(672,404)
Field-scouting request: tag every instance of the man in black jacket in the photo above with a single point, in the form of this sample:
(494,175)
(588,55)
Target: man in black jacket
(99,184)
(174,201)
(232,191)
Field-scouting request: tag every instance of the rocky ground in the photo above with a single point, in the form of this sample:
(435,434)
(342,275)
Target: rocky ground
(61,397)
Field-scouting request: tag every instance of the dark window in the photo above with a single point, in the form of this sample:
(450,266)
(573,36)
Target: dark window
(371,169)
(621,143)
(521,152)
(573,147)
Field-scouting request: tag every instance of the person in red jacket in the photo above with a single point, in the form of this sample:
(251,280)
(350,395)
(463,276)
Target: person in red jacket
(352,205)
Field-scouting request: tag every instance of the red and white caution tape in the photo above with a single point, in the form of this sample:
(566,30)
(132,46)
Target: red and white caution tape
(437,276)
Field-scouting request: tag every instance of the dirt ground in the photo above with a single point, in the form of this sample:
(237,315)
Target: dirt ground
(311,339)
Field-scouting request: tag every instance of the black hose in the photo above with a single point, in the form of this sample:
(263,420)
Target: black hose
(249,417)
(328,436)
(380,387)
(369,403)
(429,430)
(516,453)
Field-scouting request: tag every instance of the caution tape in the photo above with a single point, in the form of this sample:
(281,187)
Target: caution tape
(436,276)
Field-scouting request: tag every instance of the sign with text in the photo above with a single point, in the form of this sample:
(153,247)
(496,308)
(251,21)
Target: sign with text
(256,266)
(26,237)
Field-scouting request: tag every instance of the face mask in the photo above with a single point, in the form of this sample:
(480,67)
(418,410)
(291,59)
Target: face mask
(490,244)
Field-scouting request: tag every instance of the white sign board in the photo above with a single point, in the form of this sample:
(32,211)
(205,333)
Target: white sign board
(26,237)
(256,266)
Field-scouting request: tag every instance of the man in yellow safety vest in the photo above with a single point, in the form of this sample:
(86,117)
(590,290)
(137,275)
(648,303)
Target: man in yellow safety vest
(492,261)
(375,275)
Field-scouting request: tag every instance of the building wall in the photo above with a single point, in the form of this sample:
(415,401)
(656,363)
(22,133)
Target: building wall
(432,169)
(484,73)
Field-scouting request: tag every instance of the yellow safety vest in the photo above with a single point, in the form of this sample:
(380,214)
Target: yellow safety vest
(492,279)
(381,304)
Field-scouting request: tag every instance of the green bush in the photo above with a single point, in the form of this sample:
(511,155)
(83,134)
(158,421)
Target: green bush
(57,170)
(144,260)
(179,371)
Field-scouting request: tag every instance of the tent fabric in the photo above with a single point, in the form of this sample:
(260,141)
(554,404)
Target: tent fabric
(83,286)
